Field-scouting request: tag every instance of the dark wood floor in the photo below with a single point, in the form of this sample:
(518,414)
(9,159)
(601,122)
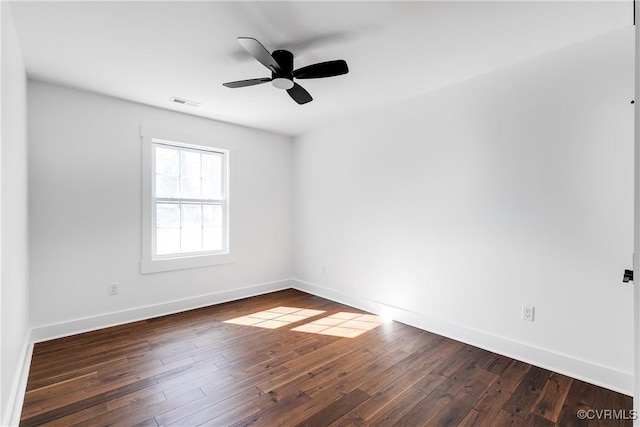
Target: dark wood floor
(197,368)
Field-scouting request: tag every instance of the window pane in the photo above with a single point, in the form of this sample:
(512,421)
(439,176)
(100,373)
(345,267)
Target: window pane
(212,176)
(167,162)
(212,215)
(167,215)
(167,241)
(212,238)
(166,186)
(191,216)
(190,174)
(185,176)
(191,239)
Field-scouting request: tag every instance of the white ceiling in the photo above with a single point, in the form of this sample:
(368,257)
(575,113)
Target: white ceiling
(150,51)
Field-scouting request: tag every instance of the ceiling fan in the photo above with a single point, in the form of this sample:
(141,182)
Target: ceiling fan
(280,63)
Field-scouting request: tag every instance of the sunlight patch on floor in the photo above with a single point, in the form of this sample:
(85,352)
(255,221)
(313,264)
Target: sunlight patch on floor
(275,317)
(343,324)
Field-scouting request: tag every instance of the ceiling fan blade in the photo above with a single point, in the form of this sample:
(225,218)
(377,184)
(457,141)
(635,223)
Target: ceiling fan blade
(299,94)
(250,82)
(255,49)
(322,69)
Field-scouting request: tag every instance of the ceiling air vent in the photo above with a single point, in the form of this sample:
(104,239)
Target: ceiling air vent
(184,102)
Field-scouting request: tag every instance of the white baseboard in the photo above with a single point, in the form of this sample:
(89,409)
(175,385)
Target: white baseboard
(76,326)
(590,372)
(19,385)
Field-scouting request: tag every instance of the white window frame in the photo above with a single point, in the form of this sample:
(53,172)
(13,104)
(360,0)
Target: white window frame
(151,263)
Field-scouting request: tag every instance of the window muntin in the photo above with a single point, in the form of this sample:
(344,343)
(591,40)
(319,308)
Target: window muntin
(189,192)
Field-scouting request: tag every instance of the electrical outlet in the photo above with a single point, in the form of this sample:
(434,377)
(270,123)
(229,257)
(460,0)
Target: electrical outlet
(323,270)
(528,313)
(113,288)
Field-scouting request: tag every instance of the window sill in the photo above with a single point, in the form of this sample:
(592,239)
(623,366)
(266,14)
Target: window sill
(160,265)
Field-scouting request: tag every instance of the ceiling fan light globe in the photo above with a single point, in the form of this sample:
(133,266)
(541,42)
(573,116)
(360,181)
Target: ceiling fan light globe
(282,83)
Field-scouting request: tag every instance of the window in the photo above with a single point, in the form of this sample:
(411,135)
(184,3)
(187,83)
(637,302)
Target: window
(185,209)
(189,200)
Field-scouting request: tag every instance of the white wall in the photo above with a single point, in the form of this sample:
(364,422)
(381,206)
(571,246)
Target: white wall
(512,188)
(14,268)
(85,210)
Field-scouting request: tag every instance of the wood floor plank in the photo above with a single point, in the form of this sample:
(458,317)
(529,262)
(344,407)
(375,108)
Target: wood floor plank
(524,396)
(506,419)
(454,411)
(207,408)
(422,340)
(607,400)
(456,361)
(126,416)
(269,412)
(300,366)
(513,375)
(69,408)
(580,397)
(125,411)
(229,416)
(271,404)
(151,422)
(349,380)
(381,395)
(491,403)
(498,364)
(78,417)
(396,337)
(192,368)
(132,399)
(335,410)
(432,357)
(423,411)
(470,420)
(480,382)
(71,374)
(393,411)
(549,403)
(47,392)
(321,376)
(460,378)
(171,388)
(305,411)
(534,420)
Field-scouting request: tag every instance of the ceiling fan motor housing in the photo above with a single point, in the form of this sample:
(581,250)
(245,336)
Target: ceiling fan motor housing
(283,78)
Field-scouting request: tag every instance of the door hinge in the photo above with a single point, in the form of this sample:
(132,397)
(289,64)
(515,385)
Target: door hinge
(628,276)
